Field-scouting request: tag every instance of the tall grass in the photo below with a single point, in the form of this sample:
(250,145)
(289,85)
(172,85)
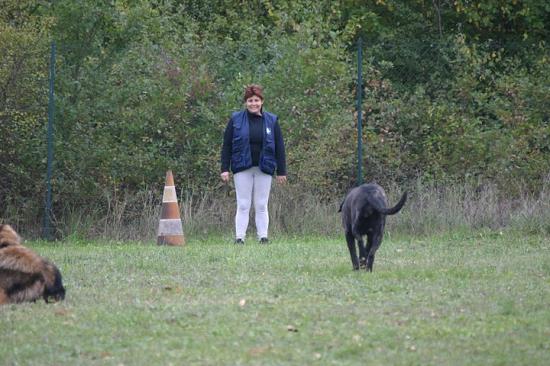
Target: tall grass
(433,209)
(430,209)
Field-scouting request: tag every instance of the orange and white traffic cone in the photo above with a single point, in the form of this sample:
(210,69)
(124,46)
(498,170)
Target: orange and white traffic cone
(170,230)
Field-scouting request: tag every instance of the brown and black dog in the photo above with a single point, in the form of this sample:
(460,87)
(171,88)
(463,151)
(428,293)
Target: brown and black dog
(364,212)
(24,275)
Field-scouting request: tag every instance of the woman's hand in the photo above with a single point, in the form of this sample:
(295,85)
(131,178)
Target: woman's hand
(225,176)
(281,179)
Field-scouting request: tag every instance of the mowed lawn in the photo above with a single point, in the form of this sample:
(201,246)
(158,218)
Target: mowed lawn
(481,298)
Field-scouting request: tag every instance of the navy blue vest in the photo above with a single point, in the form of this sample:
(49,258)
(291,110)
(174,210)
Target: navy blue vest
(241,158)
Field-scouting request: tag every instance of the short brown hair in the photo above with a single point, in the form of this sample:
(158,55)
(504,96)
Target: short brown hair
(253,89)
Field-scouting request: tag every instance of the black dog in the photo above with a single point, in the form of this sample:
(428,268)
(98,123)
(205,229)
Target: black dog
(364,213)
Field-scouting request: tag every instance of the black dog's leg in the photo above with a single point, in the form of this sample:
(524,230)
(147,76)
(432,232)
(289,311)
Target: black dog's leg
(370,262)
(362,253)
(374,244)
(369,257)
(350,239)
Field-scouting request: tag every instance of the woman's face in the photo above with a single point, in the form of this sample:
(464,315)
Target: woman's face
(254,104)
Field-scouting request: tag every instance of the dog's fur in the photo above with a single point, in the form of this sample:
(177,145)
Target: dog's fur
(24,275)
(364,212)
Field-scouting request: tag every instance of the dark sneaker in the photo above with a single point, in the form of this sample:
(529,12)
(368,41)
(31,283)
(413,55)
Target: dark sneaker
(239,241)
(264,241)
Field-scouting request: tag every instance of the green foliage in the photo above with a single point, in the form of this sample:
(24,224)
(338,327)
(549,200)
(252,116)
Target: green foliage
(25,48)
(314,109)
(453,91)
(509,18)
(488,122)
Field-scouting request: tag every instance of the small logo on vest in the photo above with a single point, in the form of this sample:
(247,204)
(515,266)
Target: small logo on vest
(268,130)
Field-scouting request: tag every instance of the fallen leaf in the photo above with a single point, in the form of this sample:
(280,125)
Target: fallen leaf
(257,351)
(61,312)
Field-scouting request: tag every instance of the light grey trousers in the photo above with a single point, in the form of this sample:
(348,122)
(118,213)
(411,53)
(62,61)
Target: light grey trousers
(252,185)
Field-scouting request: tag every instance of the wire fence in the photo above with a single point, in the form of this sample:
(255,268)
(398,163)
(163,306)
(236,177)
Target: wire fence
(33,92)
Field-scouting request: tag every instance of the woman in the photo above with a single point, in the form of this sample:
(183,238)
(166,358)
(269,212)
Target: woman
(254,149)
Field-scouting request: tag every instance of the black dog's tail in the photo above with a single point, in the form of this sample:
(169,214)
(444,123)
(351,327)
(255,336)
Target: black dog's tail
(395,209)
(341,205)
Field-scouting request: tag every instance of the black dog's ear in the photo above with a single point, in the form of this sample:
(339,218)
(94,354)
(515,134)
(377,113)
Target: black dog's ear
(341,205)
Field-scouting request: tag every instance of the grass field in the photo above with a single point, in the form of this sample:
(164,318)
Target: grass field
(460,299)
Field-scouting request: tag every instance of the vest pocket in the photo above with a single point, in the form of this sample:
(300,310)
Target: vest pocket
(268,166)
